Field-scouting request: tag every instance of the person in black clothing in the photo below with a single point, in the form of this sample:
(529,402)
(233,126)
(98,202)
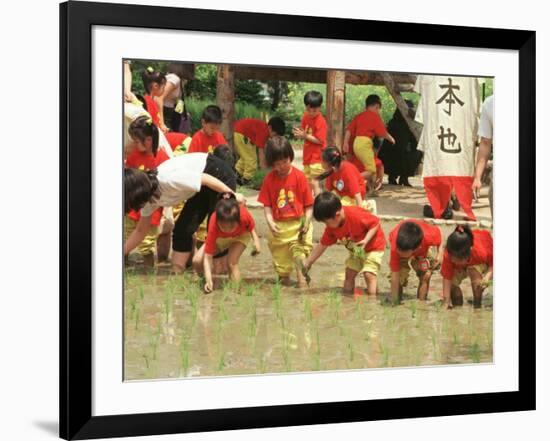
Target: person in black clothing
(402,159)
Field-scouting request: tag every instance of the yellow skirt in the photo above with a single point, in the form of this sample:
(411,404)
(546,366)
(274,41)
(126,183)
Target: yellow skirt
(289,244)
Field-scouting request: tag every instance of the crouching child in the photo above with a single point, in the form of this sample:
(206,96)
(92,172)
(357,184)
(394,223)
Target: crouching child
(359,231)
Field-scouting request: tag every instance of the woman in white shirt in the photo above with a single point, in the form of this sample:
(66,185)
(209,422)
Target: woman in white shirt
(170,114)
(194,178)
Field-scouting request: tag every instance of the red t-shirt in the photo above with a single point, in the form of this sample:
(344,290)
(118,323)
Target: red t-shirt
(201,142)
(432,238)
(357,223)
(317,127)
(256,130)
(145,161)
(287,196)
(347,181)
(175,139)
(367,123)
(482,252)
(246,224)
(152,109)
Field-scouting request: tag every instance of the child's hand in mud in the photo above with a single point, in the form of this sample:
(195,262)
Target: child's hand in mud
(256,249)
(208,287)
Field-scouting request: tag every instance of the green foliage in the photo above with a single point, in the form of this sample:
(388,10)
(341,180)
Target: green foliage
(258,178)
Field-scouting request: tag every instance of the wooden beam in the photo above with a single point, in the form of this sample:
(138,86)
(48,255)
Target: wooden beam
(313,75)
(225,97)
(336,92)
(391,85)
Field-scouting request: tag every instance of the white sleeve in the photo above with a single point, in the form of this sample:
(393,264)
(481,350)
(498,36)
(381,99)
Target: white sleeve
(486,121)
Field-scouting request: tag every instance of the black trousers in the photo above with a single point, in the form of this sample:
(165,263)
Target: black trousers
(201,205)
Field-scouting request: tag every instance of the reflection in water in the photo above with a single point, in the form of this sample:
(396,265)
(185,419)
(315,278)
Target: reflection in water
(173,329)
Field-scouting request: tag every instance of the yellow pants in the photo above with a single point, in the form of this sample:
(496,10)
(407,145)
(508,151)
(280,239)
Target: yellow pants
(460,275)
(363,149)
(405,266)
(369,263)
(148,245)
(289,244)
(183,147)
(313,170)
(223,243)
(369,205)
(247,164)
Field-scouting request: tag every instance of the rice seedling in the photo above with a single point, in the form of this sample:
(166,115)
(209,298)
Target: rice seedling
(317,352)
(276,296)
(475,352)
(455,338)
(137,317)
(385,353)
(221,361)
(350,347)
(307,309)
(413,307)
(132,305)
(184,354)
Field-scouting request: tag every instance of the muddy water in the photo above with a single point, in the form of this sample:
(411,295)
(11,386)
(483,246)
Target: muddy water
(174,330)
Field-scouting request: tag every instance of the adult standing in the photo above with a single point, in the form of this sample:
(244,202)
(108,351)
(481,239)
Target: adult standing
(170,103)
(194,178)
(485,133)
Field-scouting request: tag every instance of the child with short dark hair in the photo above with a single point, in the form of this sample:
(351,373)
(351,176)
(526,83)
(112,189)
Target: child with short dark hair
(250,136)
(230,228)
(360,135)
(154,82)
(359,231)
(418,246)
(313,131)
(209,136)
(287,200)
(467,254)
(344,180)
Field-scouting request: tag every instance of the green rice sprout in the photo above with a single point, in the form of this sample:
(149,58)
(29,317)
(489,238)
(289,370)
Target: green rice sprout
(475,352)
(307,309)
(184,355)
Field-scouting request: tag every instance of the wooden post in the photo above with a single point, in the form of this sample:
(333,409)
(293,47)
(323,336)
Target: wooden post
(336,99)
(225,97)
(393,89)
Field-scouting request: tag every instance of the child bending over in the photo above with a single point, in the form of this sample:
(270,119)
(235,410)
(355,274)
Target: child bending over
(230,228)
(359,231)
(468,254)
(414,245)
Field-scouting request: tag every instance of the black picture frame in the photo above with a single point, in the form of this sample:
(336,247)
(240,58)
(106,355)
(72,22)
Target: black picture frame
(76,21)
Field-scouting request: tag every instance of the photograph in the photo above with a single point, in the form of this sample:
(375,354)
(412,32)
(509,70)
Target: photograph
(293,219)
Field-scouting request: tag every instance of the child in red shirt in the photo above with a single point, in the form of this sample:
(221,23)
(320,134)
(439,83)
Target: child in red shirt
(360,134)
(154,83)
(342,178)
(417,245)
(468,254)
(359,231)
(146,156)
(250,136)
(313,131)
(287,200)
(209,136)
(230,228)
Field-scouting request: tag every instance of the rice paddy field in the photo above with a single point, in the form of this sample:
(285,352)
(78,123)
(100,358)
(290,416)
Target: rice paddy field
(174,330)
